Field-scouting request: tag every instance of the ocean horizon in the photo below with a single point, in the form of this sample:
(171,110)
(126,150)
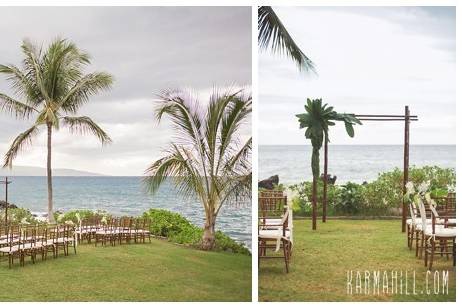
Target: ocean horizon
(355,163)
(122,195)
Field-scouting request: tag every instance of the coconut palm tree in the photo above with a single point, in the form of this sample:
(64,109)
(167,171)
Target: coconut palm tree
(207,159)
(51,86)
(273,35)
(316,120)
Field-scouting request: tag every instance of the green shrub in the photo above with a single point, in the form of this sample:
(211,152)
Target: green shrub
(301,202)
(225,243)
(18,215)
(83,214)
(178,229)
(168,224)
(350,199)
(383,196)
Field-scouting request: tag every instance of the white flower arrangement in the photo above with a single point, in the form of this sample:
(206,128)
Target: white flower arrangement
(419,194)
(69,222)
(60,217)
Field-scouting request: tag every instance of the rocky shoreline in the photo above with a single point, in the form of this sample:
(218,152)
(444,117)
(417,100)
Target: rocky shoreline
(10,205)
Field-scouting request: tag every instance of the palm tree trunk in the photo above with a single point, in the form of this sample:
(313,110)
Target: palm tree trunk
(314,202)
(51,218)
(314,193)
(208,238)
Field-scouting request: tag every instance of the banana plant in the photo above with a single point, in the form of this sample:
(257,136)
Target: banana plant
(316,122)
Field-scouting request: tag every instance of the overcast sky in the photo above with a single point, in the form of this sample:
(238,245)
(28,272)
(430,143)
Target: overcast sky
(369,60)
(146,49)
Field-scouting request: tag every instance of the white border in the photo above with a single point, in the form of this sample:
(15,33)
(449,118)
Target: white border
(254,116)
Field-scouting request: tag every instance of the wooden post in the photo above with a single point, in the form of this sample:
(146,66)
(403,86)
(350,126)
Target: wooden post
(324,192)
(6,198)
(6,201)
(406,166)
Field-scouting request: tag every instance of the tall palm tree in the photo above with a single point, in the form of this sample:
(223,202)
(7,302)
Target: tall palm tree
(273,35)
(316,120)
(207,159)
(51,86)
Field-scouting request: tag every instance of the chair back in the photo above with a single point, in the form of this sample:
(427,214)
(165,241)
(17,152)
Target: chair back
(147,224)
(451,203)
(414,212)
(13,237)
(271,204)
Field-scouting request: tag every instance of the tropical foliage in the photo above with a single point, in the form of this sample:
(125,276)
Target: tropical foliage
(178,229)
(316,122)
(18,215)
(51,86)
(207,159)
(381,197)
(273,35)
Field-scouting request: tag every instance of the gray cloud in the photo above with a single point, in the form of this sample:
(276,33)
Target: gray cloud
(146,49)
(369,60)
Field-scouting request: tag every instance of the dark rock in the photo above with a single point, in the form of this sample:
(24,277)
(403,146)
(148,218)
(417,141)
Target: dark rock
(269,183)
(10,205)
(330,179)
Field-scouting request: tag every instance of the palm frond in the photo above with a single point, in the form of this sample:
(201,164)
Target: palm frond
(180,166)
(24,139)
(186,115)
(85,87)
(33,66)
(239,188)
(241,158)
(85,125)
(237,111)
(14,107)
(273,35)
(22,83)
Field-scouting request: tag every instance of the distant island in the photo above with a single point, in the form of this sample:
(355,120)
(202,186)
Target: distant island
(38,171)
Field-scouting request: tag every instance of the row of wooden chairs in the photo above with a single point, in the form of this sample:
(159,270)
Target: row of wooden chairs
(19,242)
(433,228)
(114,230)
(275,227)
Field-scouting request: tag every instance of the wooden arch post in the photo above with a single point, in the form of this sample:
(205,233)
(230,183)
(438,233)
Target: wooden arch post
(405,167)
(6,182)
(407,118)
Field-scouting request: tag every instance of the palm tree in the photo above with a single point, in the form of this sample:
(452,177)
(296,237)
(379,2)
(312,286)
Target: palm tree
(316,120)
(51,86)
(273,35)
(207,159)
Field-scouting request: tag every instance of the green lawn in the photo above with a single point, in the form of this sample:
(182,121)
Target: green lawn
(321,259)
(160,271)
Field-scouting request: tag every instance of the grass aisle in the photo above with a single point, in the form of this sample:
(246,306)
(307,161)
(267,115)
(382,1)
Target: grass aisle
(318,271)
(160,271)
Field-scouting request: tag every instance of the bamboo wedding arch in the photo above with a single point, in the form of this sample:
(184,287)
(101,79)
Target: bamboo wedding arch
(407,118)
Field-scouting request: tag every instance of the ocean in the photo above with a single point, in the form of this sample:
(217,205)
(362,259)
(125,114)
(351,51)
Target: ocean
(123,196)
(355,163)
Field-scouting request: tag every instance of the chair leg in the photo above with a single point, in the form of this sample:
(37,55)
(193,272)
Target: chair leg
(286,257)
(432,253)
(417,244)
(454,252)
(426,253)
(408,230)
(412,237)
